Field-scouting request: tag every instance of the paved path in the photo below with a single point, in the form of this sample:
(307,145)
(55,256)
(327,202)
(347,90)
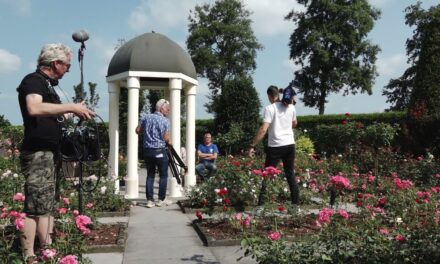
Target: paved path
(164,235)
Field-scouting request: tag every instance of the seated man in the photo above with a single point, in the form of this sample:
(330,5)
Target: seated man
(207,154)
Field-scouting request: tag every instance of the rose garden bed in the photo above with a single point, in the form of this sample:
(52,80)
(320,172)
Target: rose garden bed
(221,232)
(107,238)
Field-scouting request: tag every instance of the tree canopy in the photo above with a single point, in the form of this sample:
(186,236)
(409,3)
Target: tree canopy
(221,43)
(331,45)
(398,91)
(238,107)
(91,99)
(425,96)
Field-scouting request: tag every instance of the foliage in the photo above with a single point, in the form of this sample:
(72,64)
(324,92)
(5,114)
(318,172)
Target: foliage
(420,136)
(221,43)
(105,199)
(232,141)
(398,91)
(10,140)
(304,144)
(234,176)
(123,114)
(238,105)
(310,122)
(81,95)
(392,216)
(352,134)
(4,122)
(425,50)
(330,45)
(70,236)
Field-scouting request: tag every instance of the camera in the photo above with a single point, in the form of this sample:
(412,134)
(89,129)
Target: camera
(80,143)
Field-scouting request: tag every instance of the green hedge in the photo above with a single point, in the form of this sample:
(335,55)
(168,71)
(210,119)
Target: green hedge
(312,121)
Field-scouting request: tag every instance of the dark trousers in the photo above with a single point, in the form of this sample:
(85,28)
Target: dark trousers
(287,155)
(156,158)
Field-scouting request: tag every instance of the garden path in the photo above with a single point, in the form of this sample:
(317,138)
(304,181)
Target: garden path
(164,235)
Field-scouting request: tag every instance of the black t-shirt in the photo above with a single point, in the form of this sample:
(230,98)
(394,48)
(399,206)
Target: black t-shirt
(40,132)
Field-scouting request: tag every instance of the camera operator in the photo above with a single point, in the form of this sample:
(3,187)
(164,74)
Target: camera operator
(41,109)
(278,121)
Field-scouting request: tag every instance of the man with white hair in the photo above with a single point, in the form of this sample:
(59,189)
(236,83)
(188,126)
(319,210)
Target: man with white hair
(43,113)
(156,130)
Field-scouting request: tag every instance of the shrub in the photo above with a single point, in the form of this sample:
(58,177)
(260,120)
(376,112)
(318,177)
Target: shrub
(304,144)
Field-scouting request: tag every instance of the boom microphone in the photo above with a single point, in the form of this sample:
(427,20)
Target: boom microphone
(80,36)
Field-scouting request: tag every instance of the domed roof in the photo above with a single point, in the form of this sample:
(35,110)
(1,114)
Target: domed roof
(151,52)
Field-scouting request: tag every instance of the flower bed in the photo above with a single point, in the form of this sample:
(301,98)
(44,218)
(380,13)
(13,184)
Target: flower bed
(107,238)
(224,232)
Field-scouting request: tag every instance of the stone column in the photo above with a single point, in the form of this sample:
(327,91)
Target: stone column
(132,180)
(113,168)
(175,87)
(190,177)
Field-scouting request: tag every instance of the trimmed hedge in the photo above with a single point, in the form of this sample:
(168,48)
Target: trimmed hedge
(312,121)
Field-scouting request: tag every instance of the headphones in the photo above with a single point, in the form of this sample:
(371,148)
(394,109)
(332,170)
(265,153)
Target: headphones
(50,81)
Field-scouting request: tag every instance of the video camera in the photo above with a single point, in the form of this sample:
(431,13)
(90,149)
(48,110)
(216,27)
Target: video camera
(80,143)
(289,94)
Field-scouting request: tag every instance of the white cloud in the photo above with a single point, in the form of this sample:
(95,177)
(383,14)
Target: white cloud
(381,3)
(22,7)
(268,16)
(160,15)
(8,62)
(104,51)
(392,66)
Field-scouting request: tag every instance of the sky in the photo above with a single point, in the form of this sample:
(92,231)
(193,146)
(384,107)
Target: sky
(27,25)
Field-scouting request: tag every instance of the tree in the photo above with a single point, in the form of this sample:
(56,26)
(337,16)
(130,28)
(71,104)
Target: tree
(398,91)
(238,104)
(331,45)
(425,96)
(222,44)
(4,122)
(81,95)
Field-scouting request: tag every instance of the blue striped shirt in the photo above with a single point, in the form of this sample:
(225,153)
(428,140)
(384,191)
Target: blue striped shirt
(154,127)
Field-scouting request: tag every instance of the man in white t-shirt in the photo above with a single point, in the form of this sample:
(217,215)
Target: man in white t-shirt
(279,119)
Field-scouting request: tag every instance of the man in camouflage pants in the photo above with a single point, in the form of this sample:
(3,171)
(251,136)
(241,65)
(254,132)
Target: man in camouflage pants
(42,113)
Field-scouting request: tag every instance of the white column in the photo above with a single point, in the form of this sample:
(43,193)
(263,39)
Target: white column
(132,180)
(190,177)
(113,168)
(174,189)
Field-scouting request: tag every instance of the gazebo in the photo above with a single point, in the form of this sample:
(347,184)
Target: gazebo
(151,61)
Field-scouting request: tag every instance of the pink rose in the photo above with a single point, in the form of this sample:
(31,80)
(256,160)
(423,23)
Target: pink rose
(400,238)
(343,213)
(69,259)
(19,197)
(384,231)
(274,235)
(19,224)
(48,253)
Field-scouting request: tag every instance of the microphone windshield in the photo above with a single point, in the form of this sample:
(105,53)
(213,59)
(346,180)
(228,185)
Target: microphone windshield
(80,36)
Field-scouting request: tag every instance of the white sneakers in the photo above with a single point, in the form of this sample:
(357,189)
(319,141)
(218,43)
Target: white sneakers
(159,203)
(164,202)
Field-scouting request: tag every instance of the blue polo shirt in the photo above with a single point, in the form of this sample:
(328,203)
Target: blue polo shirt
(154,126)
(208,149)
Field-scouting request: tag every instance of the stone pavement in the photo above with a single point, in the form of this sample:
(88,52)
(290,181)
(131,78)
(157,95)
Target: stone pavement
(164,235)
